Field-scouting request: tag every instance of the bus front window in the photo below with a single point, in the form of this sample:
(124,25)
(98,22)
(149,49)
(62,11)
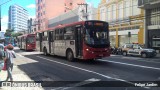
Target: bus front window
(96,36)
(30,40)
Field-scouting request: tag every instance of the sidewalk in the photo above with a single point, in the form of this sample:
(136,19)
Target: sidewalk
(18,75)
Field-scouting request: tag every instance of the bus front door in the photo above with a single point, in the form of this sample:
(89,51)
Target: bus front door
(40,41)
(78,36)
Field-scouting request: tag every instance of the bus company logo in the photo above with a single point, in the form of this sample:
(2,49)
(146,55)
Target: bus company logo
(6,84)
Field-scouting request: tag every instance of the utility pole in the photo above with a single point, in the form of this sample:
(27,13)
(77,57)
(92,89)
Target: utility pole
(86,5)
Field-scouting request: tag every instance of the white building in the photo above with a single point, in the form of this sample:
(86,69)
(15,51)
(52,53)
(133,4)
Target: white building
(78,14)
(18,17)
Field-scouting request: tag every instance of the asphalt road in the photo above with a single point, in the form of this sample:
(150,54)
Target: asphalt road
(97,75)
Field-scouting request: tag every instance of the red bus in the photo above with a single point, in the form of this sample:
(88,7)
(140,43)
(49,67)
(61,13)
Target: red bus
(86,40)
(27,41)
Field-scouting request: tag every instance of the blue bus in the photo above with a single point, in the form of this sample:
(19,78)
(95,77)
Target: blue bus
(9,40)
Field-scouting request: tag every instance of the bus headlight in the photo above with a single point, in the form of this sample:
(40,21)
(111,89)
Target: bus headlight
(28,45)
(87,49)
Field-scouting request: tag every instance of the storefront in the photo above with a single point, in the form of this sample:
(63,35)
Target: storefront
(154,39)
(123,39)
(113,40)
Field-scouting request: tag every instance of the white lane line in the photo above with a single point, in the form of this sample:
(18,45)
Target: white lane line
(138,59)
(102,75)
(19,55)
(130,64)
(92,80)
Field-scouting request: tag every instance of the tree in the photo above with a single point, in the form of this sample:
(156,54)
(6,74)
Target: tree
(8,33)
(16,34)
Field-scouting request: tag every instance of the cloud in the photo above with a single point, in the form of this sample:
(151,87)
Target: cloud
(31,6)
(32,17)
(4,21)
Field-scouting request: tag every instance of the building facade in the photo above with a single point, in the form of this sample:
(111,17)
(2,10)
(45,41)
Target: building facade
(152,22)
(75,15)
(18,17)
(47,9)
(126,22)
(31,25)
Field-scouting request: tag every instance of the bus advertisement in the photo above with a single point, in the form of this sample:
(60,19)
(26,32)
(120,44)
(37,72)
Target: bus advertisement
(27,42)
(87,40)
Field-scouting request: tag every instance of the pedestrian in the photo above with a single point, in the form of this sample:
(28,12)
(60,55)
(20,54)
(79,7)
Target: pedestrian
(1,57)
(9,55)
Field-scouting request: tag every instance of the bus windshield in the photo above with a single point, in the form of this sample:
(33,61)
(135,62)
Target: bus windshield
(30,39)
(96,36)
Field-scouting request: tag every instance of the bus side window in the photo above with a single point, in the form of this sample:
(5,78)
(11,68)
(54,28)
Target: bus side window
(57,34)
(69,33)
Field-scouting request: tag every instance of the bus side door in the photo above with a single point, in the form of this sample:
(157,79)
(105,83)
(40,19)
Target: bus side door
(51,42)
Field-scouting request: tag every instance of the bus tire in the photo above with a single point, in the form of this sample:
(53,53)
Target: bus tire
(69,55)
(45,52)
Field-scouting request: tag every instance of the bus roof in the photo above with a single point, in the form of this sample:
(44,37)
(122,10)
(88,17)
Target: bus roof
(25,35)
(65,25)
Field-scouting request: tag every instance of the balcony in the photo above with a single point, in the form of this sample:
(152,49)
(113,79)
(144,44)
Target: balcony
(148,3)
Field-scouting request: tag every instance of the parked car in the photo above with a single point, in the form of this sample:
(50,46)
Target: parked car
(136,49)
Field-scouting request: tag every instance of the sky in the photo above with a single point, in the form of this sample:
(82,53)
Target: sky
(29,5)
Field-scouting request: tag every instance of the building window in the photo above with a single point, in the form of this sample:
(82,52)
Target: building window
(70,4)
(120,10)
(114,12)
(127,9)
(135,9)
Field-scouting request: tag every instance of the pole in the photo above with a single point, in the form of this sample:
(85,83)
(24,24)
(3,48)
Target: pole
(86,9)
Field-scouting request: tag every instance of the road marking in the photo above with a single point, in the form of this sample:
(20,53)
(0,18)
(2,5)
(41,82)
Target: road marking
(138,59)
(19,55)
(102,75)
(130,64)
(92,80)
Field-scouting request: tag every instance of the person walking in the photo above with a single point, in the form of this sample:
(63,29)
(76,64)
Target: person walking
(1,57)
(9,55)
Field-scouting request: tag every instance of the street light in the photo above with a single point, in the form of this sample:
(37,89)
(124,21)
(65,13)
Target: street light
(0,11)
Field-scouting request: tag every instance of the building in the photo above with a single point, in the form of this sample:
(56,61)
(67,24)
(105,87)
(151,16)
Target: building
(31,25)
(46,9)
(18,17)
(2,34)
(125,21)
(75,15)
(152,22)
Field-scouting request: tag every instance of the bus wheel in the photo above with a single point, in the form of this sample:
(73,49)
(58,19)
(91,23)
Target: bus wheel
(70,56)
(45,52)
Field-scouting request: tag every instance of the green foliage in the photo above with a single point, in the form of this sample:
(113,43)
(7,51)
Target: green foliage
(16,34)
(11,33)
(8,33)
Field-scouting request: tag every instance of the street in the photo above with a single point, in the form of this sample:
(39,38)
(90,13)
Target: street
(115,68)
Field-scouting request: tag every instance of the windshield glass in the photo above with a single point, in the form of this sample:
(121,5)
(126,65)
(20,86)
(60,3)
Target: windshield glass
(96,36)
(30,39)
